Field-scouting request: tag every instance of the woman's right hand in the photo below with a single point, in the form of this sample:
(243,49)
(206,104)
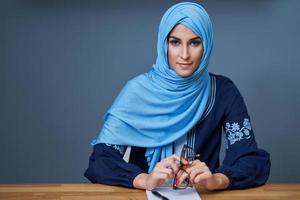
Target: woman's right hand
(164,170)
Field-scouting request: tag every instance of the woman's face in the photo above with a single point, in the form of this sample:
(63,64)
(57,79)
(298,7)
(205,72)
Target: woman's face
(184,50)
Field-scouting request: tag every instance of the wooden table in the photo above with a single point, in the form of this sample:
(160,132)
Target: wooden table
(104,192)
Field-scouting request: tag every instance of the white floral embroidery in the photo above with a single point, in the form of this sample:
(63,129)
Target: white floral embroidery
(120,148)
(235,133)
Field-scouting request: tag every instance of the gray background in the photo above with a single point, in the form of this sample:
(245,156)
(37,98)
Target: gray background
(63,62)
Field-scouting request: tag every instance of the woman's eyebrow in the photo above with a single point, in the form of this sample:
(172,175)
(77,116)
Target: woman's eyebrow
(174,37)
(195,38)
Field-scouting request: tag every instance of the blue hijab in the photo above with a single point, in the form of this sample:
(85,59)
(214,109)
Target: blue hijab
(158,107)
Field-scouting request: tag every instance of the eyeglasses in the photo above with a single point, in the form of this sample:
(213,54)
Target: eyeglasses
(187,156)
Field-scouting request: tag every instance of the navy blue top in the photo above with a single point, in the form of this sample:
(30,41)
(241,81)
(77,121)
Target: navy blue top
(244,164)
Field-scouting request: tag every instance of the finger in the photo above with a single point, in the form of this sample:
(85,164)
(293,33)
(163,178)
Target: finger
(194,172)
(159,177)
(202,178)
(184,161)
(179,173)
(197,171)
(197,168)
(172,158)
(195,164)
(175,167)
(184,175)
(170,173)
(161,168)
(164,164)
(171,162)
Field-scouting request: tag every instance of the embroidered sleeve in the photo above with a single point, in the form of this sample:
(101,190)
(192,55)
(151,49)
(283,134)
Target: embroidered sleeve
(244,163)
(236,124)
(236,132)
(120,148)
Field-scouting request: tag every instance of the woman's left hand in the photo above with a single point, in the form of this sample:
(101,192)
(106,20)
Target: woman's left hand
(199,174)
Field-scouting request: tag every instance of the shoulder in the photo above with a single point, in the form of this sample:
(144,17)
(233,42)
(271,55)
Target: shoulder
(229,99)
(224,85)
(221,79)
(228,95)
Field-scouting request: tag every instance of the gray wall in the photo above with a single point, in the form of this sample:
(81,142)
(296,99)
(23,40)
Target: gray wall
(63,62)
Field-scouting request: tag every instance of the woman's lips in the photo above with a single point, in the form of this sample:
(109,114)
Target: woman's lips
(184,65)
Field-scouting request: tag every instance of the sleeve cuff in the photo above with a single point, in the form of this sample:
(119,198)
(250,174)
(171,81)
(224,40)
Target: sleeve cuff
(132,176)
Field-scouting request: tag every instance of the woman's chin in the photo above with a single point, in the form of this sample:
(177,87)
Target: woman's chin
(185,73)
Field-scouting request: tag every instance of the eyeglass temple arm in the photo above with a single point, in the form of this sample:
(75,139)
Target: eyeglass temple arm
(197,155)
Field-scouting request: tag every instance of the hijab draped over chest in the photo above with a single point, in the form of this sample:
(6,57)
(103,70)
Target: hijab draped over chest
(158,107)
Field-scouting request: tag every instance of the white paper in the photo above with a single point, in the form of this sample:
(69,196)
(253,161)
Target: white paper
(189,193)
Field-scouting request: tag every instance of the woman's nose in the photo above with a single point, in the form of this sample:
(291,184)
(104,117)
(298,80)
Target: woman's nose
(185,53)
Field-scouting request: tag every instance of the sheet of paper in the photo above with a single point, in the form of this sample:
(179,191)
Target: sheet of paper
(188,193)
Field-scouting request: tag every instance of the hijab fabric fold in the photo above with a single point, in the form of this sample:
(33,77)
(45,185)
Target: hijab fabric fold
(158,107)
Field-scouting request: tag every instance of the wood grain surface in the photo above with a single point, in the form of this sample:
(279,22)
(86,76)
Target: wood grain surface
(105,192)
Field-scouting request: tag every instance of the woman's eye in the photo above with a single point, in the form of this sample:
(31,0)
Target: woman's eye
(195,43)
(174,42)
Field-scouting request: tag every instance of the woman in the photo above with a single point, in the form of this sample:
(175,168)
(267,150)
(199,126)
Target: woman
(179,102)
